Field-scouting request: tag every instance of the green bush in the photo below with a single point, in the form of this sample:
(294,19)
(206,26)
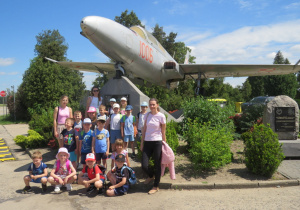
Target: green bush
(42,122)
(209,146)
(171,135)
(33,140)
(207,111)
(249,117)
(263,153)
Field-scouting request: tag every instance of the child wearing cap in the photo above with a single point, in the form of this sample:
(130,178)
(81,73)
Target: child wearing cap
(127,130)
(85,140)
(112,101)
(63,172)
(102,111)
(123,104)
(95,178)
(115,126)
(92,114)
(100,144)
(119,181)
(140,118)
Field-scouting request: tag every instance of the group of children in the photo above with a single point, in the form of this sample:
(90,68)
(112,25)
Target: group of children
(91,140)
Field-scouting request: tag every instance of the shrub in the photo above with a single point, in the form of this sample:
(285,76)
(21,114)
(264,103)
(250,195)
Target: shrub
(33,140)
(42,122)
(171,135)
(263,153)
(209,146)
(207,111)
(249,118)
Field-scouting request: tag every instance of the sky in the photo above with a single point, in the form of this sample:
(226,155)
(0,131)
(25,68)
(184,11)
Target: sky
(217,31)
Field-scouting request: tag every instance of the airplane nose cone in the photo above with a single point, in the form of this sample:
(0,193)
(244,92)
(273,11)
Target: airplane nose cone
(89,25)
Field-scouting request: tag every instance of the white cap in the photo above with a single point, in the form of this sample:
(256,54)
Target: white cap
(116,106)
(101,118)
(124,98)
(87,121)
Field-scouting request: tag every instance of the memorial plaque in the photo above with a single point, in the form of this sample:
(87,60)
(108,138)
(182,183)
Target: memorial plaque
(285,119)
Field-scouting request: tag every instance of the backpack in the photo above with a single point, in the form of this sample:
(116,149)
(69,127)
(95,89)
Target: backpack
(67,165)
(132,177)
(31,165)
(102,169)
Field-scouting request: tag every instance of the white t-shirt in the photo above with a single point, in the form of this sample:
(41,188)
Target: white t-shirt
(115,121)
(141,121)
(95,102)
(153,131)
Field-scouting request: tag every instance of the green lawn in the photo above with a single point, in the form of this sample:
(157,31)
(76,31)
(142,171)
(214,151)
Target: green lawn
(6,120)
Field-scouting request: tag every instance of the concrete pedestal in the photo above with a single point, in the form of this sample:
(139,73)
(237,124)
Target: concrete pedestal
(117,88)
(291,148)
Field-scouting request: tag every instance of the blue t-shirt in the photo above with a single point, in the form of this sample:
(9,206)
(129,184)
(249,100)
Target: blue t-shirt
(37,171)
(86,138)
(69,139)
(100,140)
(128,127)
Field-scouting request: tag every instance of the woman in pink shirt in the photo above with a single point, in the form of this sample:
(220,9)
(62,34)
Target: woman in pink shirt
(61,113)
(153,134)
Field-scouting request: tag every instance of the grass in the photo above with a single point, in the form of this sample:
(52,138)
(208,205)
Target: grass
(7,120)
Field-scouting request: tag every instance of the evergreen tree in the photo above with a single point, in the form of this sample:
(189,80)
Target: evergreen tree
(128,20)
(281,84)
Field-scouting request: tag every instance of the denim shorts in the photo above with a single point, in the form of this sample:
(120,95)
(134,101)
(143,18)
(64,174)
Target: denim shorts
(114,134)
(38,180)
(128,138)
(121,190)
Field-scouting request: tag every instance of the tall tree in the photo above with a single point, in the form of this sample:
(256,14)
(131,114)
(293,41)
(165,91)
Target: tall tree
(44,82)
(128,20)
(281,84)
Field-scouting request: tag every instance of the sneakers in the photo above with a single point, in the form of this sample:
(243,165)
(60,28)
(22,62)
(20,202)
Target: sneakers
(27,189)
(44,187)
(100,191)
(69,187)
(57,188)
(91,189)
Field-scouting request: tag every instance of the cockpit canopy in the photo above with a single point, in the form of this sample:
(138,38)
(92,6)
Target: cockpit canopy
(147,36)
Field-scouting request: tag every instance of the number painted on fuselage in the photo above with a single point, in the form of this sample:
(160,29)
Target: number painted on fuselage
(146,52)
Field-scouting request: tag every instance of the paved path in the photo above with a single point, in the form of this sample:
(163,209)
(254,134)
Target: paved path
(290,169)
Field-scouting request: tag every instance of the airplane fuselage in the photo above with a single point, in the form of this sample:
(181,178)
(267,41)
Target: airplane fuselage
(135,49)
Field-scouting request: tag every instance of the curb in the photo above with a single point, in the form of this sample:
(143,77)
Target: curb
(210,186)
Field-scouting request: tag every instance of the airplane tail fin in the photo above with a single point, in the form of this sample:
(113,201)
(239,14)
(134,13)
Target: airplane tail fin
(187,56)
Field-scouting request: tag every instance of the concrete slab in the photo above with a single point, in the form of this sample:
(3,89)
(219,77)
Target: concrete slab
(290,169)
(291,148)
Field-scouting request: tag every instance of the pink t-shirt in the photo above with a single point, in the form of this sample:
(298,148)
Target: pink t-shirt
(153,131)
(63,114)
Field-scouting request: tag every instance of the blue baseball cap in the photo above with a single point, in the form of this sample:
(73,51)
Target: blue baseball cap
(112,100)
(144,103)
(128,107)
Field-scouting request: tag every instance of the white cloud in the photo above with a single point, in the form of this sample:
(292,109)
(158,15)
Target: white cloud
(10,73)
(253,44)
(7,61)
(245,4)
(294,5)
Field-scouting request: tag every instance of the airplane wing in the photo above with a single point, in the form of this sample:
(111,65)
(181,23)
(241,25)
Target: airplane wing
(104,68)
(238,70)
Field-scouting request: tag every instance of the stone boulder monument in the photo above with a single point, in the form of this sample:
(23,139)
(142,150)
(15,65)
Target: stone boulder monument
(282,113)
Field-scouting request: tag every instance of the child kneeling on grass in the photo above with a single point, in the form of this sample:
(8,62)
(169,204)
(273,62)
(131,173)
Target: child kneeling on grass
(94,178)
(119,181)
